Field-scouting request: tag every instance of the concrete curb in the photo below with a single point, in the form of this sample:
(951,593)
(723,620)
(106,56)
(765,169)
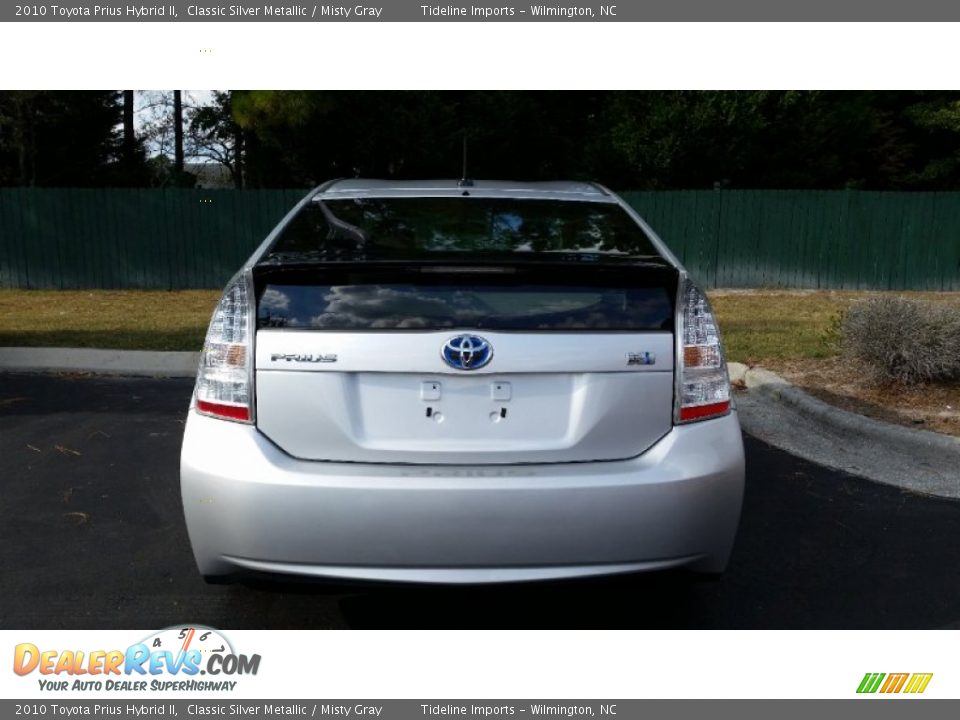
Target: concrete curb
(767,382)
(107,362)
(782,414)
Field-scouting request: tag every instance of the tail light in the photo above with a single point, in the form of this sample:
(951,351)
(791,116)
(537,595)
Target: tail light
(703,386)
(224,384)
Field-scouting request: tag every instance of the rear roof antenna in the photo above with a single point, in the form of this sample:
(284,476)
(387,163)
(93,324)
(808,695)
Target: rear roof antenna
(465,181)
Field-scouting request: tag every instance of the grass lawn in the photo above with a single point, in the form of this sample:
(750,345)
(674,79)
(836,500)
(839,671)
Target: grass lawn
(757,325)
(124,319)
(789,332)
(763,325)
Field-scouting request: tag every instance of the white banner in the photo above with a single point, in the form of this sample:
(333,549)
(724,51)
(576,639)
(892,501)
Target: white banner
(54,664)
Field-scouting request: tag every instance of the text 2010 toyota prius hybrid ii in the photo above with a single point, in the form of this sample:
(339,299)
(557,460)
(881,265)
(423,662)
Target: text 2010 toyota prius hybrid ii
(461,382)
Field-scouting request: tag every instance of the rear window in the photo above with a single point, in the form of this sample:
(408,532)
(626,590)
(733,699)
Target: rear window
(409,228)
(465,303)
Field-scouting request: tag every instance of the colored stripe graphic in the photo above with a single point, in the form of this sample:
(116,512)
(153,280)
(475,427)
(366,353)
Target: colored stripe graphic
(870,682)
(918,682)
(895,682)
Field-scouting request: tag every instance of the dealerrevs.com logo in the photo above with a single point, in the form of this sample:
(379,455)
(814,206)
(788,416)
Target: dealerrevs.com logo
(172,659)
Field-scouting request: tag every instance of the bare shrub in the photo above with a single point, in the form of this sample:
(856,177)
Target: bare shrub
(902,340)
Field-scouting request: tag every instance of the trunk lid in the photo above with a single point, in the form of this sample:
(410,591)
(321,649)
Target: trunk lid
(354,364)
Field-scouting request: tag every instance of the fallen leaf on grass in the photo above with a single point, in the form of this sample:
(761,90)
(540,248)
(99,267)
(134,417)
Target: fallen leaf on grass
(65,450)
(80,518)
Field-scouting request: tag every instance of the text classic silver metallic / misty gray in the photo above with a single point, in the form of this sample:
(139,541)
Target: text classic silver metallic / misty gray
(461,382)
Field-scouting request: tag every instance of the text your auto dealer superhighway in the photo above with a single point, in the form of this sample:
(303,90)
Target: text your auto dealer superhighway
(272,11)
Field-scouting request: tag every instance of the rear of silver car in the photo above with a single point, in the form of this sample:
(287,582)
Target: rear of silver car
(550,402)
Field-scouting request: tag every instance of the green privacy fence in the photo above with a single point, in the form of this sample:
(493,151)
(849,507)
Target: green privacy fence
(170,239)
(811,239)
(120,238)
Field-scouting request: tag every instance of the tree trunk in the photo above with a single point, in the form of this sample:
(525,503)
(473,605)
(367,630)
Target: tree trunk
(129,137)
(25,136)
(238,157)
(178,134)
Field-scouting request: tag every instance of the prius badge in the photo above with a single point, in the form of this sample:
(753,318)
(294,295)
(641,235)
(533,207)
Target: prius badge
(466,352)
(304,357)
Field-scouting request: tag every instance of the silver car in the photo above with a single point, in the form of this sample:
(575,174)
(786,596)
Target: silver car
(461,382)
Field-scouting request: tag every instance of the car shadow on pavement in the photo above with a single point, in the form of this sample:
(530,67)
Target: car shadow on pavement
(659,600)
(666,599)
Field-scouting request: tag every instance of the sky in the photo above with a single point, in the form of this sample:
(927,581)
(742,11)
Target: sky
(153,107)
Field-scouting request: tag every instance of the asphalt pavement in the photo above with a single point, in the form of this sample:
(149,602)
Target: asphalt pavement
(93,537)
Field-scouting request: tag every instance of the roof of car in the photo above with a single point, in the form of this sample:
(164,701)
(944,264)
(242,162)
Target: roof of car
(553,190)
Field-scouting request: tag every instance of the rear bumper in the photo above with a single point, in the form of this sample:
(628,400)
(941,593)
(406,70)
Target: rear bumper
(251,508)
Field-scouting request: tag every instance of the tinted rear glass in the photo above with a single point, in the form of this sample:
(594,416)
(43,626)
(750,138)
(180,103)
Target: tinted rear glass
(465,304)
(411,228)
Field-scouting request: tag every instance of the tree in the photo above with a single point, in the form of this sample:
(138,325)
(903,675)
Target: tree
(935,117)
(763,139)
(304,137)
(657,140)
(163,119)
(129,133)
(59,138)
(214,136)
(178,131)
